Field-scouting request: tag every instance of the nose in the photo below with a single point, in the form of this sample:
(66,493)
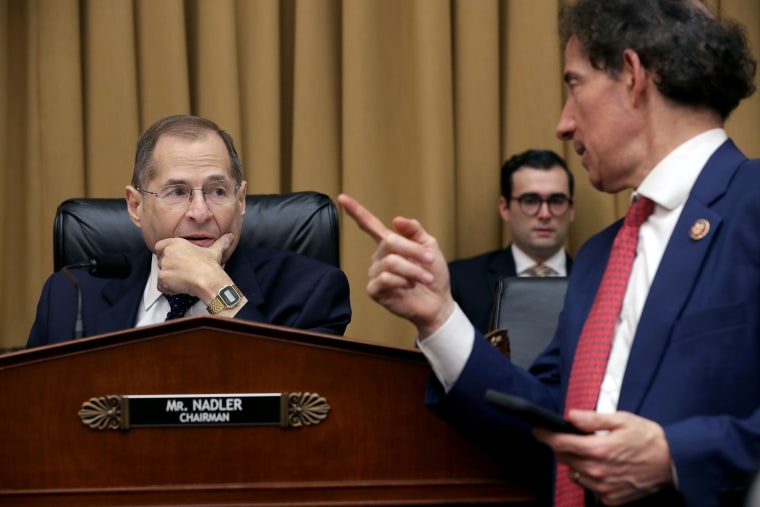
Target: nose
(197,208)
(566,125)
(543,211)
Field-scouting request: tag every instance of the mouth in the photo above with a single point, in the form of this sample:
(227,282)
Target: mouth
(580,149)
(200,239)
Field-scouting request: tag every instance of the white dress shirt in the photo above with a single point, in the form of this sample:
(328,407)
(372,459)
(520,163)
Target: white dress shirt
(668,185)
(523,262)
(154,306)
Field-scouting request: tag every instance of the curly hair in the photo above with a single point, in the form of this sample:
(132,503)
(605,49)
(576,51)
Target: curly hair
(697,60)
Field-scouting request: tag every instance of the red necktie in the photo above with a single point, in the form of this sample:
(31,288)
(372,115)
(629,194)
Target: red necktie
(592,353)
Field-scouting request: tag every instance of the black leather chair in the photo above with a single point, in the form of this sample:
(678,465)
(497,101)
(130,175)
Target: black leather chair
(302,222)
(528,308)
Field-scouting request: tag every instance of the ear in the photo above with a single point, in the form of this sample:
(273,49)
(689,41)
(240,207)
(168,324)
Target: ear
(636,77)
(504,208)
(572,211)
(134,201)
(242,193)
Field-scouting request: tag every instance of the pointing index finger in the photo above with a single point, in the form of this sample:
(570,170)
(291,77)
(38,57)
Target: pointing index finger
(366,221)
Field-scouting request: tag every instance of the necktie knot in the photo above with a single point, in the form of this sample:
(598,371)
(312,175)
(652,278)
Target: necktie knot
(179,304)
(639,211)
(541,270)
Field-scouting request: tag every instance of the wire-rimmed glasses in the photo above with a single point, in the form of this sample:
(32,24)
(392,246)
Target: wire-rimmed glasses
(216,193)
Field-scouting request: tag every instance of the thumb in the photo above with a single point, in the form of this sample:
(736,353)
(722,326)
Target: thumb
(590,421)
(412,229)
(222,244)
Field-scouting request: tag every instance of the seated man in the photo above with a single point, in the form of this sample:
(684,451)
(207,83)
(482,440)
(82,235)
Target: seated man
(188,198)
(537,204)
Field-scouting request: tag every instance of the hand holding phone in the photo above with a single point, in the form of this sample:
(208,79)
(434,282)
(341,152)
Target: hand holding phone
(533,414)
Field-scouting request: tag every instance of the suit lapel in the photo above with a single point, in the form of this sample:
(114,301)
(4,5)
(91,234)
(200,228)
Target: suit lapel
(502,264)
(676,276)
(122,296)
(242,270)
(678,271)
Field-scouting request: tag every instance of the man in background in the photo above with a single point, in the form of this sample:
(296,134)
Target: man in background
(188,197)
(537,205)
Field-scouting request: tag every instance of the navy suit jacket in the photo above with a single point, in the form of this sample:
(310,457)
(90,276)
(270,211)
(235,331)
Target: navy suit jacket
(282,288)
(694,365)
(473,283)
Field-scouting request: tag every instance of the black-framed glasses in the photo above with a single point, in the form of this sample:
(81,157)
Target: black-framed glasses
(215,193)
(530,203)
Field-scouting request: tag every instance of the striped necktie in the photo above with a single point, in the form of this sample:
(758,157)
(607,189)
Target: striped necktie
(541,270)
(595,342)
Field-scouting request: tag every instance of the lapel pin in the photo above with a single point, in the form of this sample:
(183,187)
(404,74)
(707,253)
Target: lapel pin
(700,229)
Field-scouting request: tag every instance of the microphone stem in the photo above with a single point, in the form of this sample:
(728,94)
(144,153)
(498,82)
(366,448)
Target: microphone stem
(79,331)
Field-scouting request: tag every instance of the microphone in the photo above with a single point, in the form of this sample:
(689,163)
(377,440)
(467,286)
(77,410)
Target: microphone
(102,266)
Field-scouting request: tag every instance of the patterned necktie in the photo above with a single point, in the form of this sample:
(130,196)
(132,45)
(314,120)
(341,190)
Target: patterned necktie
(179,304)
(592,352)
(541,270)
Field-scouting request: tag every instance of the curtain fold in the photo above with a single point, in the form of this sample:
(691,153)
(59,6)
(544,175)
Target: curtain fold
(477,99)
(317,109)
(111,112)
(259,57)
(162,65)
(409,105)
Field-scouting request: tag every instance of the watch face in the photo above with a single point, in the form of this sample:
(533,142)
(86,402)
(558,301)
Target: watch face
(229,296)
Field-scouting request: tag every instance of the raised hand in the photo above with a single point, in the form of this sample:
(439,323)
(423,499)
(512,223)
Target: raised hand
(408,274)
(191,269)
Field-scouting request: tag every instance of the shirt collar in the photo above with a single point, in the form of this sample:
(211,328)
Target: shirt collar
(671,180)
(151,294)
(523,261)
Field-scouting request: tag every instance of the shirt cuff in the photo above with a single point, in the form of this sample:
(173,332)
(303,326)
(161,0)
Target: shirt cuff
(449,347)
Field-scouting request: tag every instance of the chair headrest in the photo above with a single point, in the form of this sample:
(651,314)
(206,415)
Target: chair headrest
(302,222)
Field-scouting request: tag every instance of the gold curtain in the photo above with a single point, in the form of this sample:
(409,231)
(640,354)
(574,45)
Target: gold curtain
(409,105)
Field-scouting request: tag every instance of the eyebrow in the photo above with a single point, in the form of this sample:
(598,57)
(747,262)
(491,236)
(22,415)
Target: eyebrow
(541,195)
(210,179)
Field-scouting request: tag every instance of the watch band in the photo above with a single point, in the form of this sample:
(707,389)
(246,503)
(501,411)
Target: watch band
(228,297)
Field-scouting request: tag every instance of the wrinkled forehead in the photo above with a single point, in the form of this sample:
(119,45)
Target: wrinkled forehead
(181,158)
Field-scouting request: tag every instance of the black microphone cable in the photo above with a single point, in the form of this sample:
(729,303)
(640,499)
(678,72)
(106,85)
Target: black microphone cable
(102,266)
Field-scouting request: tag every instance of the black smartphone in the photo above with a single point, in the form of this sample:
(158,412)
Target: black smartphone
(533,414)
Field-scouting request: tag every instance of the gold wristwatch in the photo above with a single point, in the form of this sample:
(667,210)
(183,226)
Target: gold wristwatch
(228,297)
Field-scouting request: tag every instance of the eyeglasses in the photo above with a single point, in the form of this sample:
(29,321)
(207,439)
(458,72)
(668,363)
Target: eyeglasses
(531,203)
(215,193)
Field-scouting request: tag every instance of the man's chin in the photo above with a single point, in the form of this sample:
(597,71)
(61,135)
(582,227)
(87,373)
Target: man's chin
(546,250)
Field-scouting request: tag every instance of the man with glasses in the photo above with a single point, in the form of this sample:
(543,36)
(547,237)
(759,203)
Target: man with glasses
(536,203)
(187,196)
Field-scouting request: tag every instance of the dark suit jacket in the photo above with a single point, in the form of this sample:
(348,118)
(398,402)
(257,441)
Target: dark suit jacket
(473,282)
(282,288)
(694,362)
